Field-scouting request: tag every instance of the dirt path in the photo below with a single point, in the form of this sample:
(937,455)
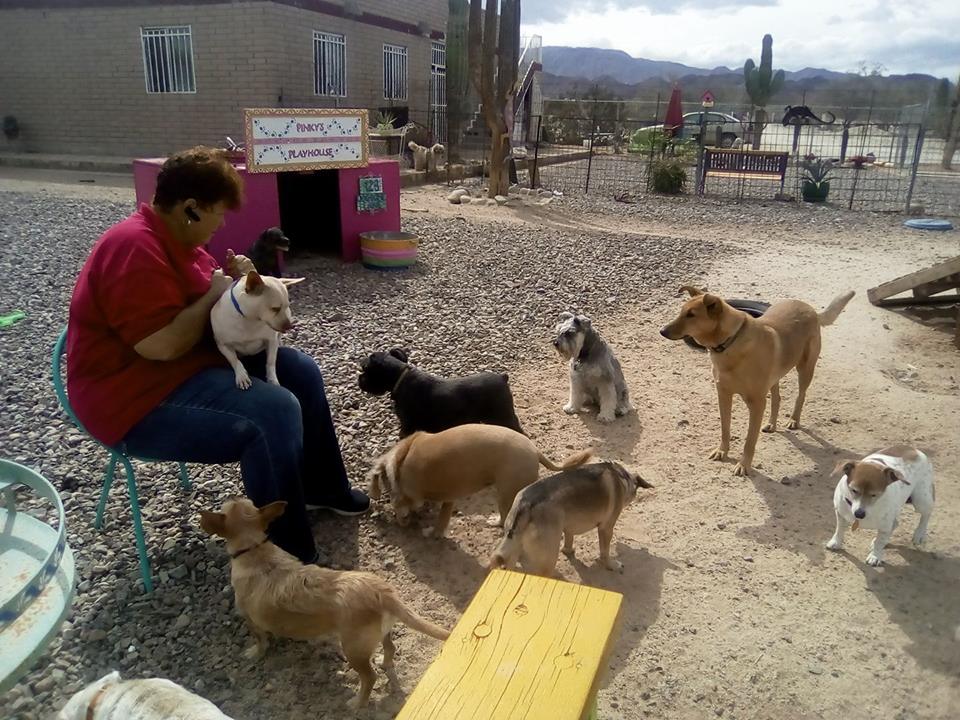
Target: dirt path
(733,606)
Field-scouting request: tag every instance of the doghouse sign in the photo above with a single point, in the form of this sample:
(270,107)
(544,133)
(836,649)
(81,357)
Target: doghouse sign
(281,139)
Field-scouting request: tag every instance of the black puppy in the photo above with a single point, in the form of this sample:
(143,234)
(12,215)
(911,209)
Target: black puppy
(426,402)
(263,253)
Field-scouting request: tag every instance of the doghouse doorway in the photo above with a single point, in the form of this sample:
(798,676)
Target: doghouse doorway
(310,211)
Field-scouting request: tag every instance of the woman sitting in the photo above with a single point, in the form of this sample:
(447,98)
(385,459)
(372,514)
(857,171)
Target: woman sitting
(146,377)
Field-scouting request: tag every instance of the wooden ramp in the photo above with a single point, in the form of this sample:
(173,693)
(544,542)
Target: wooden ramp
(925,286)
(527,648)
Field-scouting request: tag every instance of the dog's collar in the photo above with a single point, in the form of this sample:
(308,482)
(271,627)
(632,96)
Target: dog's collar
(730,340)
(92,705)
(233,298)
(238,553)
(400,379)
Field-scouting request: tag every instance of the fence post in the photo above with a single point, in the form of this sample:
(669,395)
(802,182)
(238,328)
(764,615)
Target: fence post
(535,170)
(918,148)
(593,130)
(699,174)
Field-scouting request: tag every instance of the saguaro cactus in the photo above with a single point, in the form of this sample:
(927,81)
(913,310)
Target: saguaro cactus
(761,85)
(495,81)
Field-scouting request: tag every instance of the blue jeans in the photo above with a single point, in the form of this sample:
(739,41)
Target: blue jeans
(283,437)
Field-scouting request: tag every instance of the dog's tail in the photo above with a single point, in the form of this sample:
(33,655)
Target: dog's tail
(575,460)
(408,617)
(386,467)
(829,316)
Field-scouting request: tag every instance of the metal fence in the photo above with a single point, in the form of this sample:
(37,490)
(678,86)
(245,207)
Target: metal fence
(878,165)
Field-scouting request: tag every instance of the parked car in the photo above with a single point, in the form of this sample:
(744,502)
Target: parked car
(730,128)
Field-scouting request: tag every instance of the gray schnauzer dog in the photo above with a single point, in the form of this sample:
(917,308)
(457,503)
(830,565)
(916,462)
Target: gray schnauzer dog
(595,374)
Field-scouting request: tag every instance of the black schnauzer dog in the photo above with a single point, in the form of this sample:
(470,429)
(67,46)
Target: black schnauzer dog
(263,253)
(426,402)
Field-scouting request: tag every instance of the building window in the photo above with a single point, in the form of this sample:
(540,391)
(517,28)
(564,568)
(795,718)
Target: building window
(438,91)
(329,64)
(394,72)
(168,59)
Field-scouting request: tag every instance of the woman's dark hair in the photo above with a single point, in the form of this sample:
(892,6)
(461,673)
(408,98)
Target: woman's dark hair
(201,173)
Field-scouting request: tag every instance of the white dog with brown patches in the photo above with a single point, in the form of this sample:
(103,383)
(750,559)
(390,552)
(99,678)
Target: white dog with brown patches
(872,491)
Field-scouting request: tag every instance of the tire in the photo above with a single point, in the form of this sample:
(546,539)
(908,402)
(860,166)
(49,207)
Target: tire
(727,140)
(754,308)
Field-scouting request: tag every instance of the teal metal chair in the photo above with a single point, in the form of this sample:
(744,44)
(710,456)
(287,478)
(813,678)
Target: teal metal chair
(117,455)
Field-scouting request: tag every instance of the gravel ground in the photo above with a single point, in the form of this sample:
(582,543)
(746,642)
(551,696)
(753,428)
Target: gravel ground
(484,294)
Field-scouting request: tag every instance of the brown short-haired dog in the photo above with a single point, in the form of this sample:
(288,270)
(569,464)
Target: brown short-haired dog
(277,595)
(751,355)
(463,460)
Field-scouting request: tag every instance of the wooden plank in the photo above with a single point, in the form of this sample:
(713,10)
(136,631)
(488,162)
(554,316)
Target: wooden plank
(526,648)
(752,175)
(907,282)
(919,302)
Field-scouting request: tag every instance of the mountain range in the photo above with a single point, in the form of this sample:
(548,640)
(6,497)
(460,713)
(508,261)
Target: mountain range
(597,63)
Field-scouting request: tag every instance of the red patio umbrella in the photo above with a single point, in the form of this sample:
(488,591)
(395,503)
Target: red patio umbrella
(673,120)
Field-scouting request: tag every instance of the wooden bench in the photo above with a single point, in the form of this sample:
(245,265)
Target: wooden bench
(526,647)
(744,165)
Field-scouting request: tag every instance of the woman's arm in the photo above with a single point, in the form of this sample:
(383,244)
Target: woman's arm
(186,329)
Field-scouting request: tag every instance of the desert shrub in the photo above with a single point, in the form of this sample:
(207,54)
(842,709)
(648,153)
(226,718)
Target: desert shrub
(669,176)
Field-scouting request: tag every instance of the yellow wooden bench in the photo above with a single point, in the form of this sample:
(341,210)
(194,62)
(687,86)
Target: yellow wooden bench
(527,647)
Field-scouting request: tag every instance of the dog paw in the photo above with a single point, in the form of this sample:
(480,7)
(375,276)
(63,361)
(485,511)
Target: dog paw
(793,424)
(919,537)
(834,543)
(254,652)
(606,417)
(243,380)
(355,703)
(570,409)
(570,553)
(272,379)
(769,428)
(718,454)
(614,565)
(741,470)
(874,560)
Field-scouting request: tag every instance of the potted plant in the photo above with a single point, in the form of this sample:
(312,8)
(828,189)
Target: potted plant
(385,138)
(815,186)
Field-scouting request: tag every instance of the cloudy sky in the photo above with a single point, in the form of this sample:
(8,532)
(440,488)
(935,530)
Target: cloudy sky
(904,36)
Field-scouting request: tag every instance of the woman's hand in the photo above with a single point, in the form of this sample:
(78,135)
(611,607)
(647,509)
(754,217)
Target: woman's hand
(219,283)
(238,265)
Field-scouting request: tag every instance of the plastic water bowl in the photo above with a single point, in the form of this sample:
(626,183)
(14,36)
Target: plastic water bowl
(388,249)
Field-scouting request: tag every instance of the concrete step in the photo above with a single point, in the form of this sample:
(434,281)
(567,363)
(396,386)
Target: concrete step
(52,161)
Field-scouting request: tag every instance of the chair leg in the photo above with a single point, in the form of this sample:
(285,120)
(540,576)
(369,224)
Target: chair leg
(107,483)
(184,477)
(138,525)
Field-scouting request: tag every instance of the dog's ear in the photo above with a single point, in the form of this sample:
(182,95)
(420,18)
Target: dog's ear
(213,523)
(254,283)
(269,513)
(373,478)
(712,304)
(291,281)
(891,475)
(844,467)
(689,289)
(400,354)
(583,320)
(566,316)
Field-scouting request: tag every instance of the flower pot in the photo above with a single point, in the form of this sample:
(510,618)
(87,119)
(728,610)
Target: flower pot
(815,192)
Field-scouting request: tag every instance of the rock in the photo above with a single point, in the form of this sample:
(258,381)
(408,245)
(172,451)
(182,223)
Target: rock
(466,199)
(455,197)
(183,621)
(179,572)
(501,199)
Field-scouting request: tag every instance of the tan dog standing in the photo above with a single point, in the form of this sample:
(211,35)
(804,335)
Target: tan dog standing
(751,355)
(562,506)
(449,465)
(277,595)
